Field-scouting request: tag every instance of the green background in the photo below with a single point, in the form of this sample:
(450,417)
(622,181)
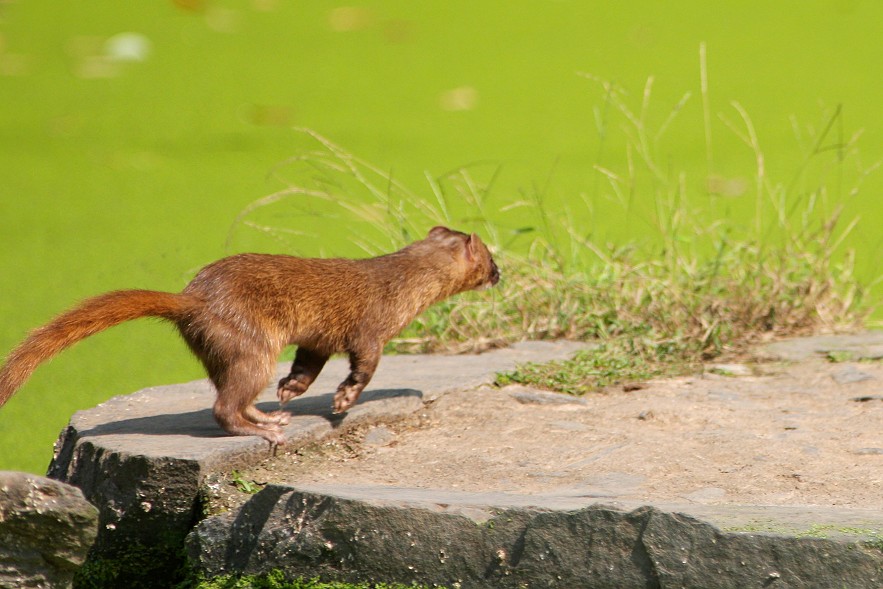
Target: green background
(121,174)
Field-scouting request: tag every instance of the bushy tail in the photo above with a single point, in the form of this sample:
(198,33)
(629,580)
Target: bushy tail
(90,317)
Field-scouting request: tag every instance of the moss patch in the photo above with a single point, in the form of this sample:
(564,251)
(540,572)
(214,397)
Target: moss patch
(277,580)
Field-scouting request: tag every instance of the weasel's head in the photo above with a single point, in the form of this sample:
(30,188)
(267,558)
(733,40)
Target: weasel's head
(472,255)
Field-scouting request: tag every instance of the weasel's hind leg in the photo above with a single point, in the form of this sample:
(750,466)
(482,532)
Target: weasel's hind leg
(239,383)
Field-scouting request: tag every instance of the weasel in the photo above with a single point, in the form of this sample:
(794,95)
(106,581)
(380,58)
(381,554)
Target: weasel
(238,313)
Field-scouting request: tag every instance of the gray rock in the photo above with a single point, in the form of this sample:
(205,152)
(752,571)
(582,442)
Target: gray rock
(46,529)
(491,540)
(861,346)
(142,458)
(528,396)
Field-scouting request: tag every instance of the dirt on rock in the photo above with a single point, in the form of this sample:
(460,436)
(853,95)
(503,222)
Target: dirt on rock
(788,433)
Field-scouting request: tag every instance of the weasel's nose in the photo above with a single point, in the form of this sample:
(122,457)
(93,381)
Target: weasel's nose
(495,274)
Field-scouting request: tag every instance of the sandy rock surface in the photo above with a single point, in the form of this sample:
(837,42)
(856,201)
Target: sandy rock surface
(795,433)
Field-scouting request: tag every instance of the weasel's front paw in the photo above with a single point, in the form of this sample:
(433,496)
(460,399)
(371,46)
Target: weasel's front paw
(343,400)
(289,388)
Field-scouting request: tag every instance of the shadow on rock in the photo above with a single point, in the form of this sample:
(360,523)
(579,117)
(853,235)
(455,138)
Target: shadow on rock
(201,423)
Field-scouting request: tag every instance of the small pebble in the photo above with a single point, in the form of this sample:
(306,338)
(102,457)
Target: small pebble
(866,398)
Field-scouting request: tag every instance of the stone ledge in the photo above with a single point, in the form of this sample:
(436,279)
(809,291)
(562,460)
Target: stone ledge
(498,540)
(142,460)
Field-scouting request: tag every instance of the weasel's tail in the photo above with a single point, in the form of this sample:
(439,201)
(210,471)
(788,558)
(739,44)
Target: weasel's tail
(90,317)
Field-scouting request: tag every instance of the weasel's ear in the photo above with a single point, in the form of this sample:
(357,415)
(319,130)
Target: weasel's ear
(472,246)
(439,231)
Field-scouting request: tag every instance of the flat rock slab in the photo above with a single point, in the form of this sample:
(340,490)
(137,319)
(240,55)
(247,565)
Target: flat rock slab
(175,422)
(862,346)
(764,477)
(793,435)
(769,475)
(142,458)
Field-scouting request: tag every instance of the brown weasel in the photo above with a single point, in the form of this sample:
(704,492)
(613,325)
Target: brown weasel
(238,313)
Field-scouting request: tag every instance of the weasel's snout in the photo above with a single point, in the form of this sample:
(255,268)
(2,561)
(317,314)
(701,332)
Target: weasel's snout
(494,275)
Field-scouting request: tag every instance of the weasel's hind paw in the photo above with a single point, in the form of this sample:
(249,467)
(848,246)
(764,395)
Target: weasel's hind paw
(273,434)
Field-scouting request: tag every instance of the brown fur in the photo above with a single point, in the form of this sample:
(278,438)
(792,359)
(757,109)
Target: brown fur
(240,312)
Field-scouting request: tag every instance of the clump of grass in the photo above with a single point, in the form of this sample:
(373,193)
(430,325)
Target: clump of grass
(701,286)
(617,361)
(243,485)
